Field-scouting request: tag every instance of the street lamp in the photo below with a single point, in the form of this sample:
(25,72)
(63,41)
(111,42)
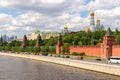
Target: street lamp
(107,47)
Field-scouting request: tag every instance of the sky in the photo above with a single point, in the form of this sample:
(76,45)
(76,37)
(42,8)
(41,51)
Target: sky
(19,17)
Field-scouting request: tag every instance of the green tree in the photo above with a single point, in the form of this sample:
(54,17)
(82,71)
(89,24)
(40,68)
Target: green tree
(36,50)
(45,48)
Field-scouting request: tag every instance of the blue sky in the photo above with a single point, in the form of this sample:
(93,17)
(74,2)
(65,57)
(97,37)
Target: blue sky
(12,12)
(22,17)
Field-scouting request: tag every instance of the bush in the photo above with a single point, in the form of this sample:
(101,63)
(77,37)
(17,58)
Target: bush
(82,54)
(78,54)
(75,54)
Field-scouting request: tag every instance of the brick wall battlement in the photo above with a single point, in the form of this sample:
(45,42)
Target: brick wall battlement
(114,46)
(84,47)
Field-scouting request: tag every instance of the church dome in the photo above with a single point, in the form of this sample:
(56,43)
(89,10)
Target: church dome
(87,30)
(98,20)
(92,13)
(65,27)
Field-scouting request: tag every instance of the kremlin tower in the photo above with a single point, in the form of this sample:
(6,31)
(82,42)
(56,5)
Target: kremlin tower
(59,44)
(39,41)
(25,41)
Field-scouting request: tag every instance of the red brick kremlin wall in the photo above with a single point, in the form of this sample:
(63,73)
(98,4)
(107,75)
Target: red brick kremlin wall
(89,50)
(107,46)
(116,50)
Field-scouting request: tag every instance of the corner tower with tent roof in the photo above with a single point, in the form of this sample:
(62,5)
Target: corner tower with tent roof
(108,42)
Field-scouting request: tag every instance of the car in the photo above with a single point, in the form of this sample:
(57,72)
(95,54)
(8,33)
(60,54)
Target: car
(26,53)
(45,54)
(114,59)
(98,59)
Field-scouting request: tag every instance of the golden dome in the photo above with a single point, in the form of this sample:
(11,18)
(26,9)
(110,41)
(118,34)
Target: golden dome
(87,30)
(65,27)
(92,13)
(98,20)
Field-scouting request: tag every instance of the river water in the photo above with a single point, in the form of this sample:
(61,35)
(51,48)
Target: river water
(12,68)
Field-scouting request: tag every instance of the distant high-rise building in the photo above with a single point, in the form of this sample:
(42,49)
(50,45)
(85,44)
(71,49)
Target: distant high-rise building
(4,37)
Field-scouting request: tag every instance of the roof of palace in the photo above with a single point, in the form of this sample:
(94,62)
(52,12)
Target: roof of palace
(37,31)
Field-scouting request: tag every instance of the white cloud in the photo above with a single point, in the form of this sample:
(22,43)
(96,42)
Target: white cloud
(12,28)
(52,15)
(52,1)
(103,4)
(29,28)
(5,19)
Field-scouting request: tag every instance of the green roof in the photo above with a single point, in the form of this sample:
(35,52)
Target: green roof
(109,32)
(37,31)
(50,32)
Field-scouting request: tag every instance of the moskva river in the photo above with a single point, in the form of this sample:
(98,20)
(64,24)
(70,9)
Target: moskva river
(12,68)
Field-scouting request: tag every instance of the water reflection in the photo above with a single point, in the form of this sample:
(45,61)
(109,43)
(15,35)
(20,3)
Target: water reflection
(24,69)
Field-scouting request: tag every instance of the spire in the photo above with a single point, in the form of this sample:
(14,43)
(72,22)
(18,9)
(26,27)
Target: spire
(109,32)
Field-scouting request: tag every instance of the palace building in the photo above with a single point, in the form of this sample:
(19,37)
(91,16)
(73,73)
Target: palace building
(44,35)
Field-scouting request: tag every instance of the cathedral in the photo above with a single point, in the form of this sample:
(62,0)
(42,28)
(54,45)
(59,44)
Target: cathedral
(65,30)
